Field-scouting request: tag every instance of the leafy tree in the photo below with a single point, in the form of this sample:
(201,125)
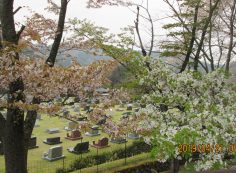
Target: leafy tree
(188,108)
(27,84)
(195,20)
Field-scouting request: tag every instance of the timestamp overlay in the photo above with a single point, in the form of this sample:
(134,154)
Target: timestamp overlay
(206,148)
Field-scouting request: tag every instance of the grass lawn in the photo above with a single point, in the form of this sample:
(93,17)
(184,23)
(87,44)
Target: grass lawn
(37,165)
(114,166)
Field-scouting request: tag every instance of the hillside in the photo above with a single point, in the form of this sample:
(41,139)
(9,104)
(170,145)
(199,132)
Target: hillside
(82,57)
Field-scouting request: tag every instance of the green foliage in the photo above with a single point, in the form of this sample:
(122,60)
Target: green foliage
(136,148)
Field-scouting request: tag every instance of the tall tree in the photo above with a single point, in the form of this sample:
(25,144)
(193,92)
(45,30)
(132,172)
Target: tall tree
(194,24)
(58,36)
(13,136)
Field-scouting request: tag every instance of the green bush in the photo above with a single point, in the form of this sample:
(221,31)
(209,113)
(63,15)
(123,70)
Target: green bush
(137,147)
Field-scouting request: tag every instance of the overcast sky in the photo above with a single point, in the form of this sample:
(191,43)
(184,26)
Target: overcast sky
(112,17)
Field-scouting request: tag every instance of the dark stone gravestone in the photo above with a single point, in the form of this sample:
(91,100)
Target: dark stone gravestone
(52,141)
(33,143)
(82,147)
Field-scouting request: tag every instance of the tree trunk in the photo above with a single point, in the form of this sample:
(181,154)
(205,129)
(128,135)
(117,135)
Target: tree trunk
(174,166)
(193,37)
(60,27)
(13,141)
(232,20)
(204,31)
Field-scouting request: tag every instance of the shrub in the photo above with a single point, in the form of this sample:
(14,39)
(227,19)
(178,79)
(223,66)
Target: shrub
(137,147)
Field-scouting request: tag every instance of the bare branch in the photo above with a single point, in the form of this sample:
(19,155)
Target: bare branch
(20,32)
(14,12)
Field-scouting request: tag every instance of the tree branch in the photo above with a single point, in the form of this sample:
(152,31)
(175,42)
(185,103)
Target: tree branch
(204,31)
(190,48)
(14,12)
(20,32)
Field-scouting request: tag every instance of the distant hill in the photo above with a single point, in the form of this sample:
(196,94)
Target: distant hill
(64,59)
(85,58)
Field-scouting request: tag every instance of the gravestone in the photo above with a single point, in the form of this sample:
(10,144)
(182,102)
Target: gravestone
(52,141)
(118,140)
(71,125)
(32,143)
(94,131)
(82,147)
(129,107)
(52,130)
(36,123)
(75,135)
(54,153)
(39,116)
(102,143)
(133,135)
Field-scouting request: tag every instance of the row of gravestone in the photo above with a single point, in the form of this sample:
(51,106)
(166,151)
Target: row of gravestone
(56,152)
(75,135)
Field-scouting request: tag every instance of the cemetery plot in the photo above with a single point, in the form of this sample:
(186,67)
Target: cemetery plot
(118,140)
(52,130)
(82,147)
(102,143)
(74,135)
(94,131)
(57,124)
(54,153)
(52,141)
(33,143)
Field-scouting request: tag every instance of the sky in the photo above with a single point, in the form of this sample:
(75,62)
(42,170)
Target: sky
(111,17)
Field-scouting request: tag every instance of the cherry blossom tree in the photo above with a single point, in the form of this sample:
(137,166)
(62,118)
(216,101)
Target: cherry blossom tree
(27,83)
(192,109)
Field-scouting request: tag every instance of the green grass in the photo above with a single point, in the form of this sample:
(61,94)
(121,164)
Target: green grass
(37,165)
(114,166)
